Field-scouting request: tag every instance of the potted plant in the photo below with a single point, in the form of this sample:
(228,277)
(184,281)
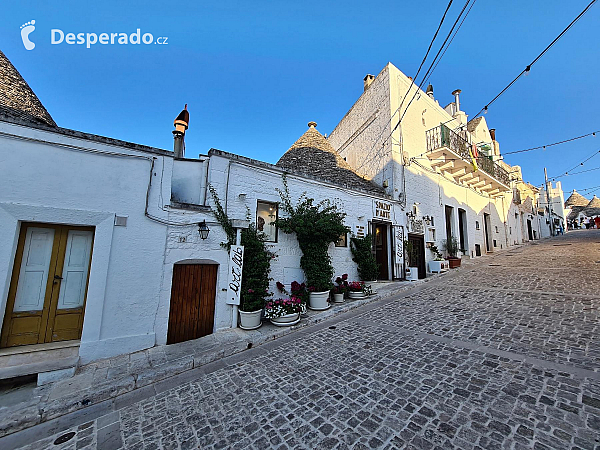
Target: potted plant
(339,291)
(362,255)
(316,225)
(412,270)
(257,267)
(439,264)
(450,245)
(356,289)
(284,312)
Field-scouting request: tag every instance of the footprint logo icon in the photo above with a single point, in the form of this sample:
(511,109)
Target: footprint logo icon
(26,30)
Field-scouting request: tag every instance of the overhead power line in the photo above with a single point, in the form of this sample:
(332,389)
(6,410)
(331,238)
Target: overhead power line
(537,58)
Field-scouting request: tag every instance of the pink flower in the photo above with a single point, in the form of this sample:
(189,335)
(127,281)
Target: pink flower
(345,277)
(250,291)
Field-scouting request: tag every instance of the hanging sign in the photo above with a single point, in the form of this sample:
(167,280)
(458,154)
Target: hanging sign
(382,210)
(234,279)
(399,236)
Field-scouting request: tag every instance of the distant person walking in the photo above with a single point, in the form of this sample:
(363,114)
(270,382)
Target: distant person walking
(597,220)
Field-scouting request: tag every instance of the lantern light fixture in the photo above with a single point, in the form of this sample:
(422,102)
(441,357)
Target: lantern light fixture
(203,230)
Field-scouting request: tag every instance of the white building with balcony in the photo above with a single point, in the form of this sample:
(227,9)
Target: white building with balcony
(446,171)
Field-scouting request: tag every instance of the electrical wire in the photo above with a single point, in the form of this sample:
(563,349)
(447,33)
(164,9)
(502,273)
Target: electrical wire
(429,70)
(451,39)
(593,133)
(577,165)
(375,141)
(528,68)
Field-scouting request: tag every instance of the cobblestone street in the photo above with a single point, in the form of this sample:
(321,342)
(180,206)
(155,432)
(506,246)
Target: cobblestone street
(502,354)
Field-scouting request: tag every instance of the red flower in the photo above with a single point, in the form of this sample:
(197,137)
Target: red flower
(345,277)
(280,286)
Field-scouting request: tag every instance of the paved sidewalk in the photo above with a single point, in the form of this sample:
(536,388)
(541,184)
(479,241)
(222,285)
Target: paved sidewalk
(131,376)
(500,354)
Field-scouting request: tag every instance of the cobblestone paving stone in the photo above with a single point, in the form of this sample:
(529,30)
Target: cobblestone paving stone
(420,372)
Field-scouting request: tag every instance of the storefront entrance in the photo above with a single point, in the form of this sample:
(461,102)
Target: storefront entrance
(46,299)
(419,252)
(382,255)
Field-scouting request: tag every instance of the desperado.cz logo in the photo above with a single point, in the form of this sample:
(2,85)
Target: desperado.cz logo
(58,36)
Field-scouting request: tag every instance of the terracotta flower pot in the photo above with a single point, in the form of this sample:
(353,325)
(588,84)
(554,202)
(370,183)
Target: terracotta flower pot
(454,262)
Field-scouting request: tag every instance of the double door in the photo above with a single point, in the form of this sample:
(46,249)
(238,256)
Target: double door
(47,295)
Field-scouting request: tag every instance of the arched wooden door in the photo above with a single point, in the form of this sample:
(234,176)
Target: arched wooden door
(192,310)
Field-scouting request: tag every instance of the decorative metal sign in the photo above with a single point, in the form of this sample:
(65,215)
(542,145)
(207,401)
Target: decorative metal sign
(382,210)
(416,225)
(234,279)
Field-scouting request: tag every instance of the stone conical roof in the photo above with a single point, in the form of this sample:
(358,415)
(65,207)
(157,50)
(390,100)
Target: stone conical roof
(17,100)
(313,155)
(576,199)
(593,207)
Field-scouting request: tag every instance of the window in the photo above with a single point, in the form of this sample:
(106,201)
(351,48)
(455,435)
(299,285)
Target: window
(266,214)
(477,225)
(342,241)
(497,230)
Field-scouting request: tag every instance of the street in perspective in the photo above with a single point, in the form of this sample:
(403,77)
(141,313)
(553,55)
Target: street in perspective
(275,225)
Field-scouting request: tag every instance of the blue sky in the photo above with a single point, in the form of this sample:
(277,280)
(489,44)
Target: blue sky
(254,73)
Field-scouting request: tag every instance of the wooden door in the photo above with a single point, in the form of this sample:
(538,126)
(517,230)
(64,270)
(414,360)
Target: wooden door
(47,295)
(192,310)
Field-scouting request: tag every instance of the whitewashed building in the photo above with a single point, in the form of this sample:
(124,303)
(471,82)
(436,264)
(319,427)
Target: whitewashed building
(426,163)
(100,236)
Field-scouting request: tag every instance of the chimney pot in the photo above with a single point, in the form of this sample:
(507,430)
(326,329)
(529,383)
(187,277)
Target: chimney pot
(493,133)
(430,91)
(368,79)
(181,124)
(456,93)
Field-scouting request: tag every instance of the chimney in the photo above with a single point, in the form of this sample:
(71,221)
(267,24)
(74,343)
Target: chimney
(368,79)
(456,93)
(181,124)
(430,91)
(493,133)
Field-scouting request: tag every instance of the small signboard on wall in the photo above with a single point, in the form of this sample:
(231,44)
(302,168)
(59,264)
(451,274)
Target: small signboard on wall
(399,243)
(234,278)
(382,210)
(360,231)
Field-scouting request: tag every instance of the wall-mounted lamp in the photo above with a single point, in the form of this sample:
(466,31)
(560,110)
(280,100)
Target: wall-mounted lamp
(203,230)
(361,217)
(242,195)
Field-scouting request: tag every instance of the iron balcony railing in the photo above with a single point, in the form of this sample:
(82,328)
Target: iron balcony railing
(442,136)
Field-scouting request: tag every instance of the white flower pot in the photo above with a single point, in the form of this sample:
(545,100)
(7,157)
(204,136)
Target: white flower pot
(356,295)
(250,320)
(318,301)
(438,266)
(412,274)
(338,298)
(287,320)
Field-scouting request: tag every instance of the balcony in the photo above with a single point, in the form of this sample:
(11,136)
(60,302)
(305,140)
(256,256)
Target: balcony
(448,152)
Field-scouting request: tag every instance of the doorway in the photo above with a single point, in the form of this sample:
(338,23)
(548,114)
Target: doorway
(381,250)
(462,231)
(418,246)
(449,212)
(529,230)
(192,310)
(486,229)
(47,294)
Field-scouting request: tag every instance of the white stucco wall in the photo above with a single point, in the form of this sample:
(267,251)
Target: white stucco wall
(52,178)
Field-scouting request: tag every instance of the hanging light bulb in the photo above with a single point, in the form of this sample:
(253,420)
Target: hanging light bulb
(527,71)
(485,110)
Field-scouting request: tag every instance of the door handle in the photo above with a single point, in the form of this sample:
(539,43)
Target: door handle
(57,278)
